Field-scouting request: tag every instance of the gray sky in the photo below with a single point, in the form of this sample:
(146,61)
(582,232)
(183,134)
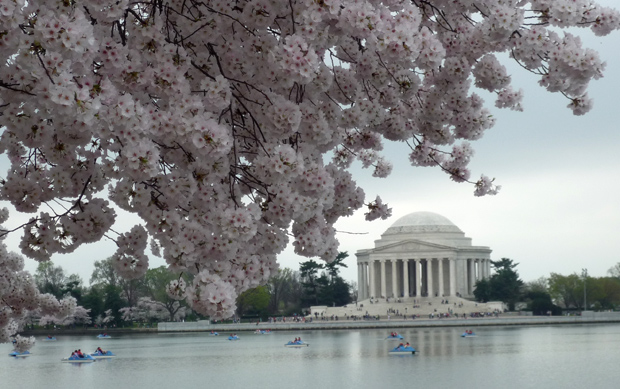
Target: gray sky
(559,207)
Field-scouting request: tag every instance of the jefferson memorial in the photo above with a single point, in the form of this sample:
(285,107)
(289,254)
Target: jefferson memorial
(422,254)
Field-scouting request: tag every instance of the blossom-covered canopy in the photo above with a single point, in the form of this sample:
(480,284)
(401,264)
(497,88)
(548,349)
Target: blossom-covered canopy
(228,127)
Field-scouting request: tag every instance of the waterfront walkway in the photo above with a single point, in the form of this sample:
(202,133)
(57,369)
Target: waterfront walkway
(469,323)
(398,313)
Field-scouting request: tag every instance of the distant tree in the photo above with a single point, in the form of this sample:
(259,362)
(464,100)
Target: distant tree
(504,285)
(325,291)
(614,271)
(341,292)
(566,291)
(113,302)
(80,316)
(148,310)
(539,285)
(280,287)
(74,287)
(94,300)
(333,266)
(482,292)
(50,279)
(254,302)
(154,286)
(610,292)
(540,303)
(309,271)
(105,274)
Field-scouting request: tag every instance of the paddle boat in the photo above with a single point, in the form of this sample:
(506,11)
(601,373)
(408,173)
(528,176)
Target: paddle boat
(468,334)
(262,332)
(100,354)
(49,338)
(18,354)
(233,337)
(394,335)
(213,333)
(77,359)
(104,336)
(297,343)
(402,349)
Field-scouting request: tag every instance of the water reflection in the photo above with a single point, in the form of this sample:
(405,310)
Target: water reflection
(504,356)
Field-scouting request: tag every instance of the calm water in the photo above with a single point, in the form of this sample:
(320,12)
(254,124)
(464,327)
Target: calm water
(507,357)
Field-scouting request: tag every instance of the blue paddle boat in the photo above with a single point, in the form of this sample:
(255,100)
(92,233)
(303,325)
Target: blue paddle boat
(233,337)
(104,336)
(394,336)
(213,333)
(296,344)
(468,334)
(402,349)
(49,339)
(77,359)
(18,354)
(100,354)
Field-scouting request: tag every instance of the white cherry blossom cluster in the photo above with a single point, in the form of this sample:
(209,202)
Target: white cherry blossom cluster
(20,297)
(23,343)
(129,260)
(214,122)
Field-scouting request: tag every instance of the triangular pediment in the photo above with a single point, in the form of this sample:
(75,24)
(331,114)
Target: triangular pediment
(411,245)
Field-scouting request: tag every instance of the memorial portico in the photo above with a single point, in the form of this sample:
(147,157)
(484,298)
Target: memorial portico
(421,254)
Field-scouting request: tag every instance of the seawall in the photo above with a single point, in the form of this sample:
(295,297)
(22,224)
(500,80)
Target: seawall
(205,325)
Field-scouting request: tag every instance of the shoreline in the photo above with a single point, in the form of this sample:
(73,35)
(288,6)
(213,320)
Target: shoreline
(471,322)
(205,325)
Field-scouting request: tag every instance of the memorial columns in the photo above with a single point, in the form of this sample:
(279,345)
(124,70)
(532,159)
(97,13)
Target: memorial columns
(406,278)
(452,268)
(383,291)
(429,277)
(417,278)
(364,285)
(471,272)
(359,280)
(371,278)
(394,279)
(440,263)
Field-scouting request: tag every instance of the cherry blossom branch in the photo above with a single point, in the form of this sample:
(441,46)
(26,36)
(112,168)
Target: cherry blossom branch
(76,204)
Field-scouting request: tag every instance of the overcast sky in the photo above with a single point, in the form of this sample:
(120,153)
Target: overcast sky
(559,207)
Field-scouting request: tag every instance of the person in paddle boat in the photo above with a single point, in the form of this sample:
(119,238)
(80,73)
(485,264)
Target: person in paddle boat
(100,351)
(407,345)
(49,336)
(400,346)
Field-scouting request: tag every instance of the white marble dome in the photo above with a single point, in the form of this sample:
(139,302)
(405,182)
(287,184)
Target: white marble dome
(422,222)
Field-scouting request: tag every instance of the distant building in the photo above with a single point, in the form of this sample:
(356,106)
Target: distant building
(421,254)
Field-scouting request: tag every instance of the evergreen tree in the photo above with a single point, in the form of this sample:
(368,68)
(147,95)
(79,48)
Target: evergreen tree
(504,285)
(309,271)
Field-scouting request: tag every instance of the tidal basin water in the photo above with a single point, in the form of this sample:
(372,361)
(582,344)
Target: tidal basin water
(575,356)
